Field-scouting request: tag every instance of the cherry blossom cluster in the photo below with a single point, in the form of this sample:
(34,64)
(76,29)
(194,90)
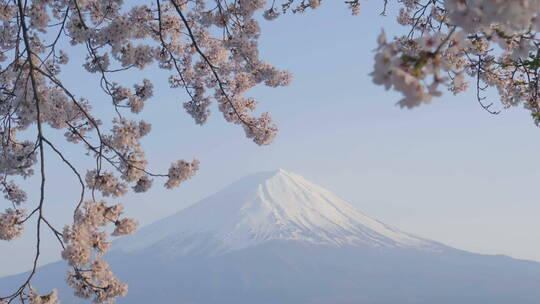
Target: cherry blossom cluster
(417,67)
(451,43)
(13,193)
(11,223)
(85,244)
(180,172)
(51,298)
(33,297)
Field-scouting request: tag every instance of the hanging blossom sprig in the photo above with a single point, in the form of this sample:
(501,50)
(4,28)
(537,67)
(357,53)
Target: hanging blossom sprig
(210,50)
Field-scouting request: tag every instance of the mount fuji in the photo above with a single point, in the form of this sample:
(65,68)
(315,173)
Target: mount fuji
(269,206)
(276,238)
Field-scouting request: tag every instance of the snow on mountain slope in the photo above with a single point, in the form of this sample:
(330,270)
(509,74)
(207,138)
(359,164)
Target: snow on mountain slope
(276,205)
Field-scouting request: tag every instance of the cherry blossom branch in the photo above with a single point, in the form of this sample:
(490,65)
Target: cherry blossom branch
(210,65)
(41,154)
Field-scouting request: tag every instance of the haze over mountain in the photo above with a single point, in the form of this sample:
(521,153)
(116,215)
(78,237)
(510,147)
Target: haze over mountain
(275,237)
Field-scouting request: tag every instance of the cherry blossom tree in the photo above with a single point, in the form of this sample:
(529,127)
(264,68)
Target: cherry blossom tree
(210,50)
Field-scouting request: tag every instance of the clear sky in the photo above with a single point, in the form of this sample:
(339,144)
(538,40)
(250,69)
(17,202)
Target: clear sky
(448,171)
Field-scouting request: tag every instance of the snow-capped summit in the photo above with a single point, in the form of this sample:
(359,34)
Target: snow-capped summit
(276,205)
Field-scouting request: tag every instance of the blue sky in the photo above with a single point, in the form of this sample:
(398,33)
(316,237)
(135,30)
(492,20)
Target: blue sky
(448,171)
